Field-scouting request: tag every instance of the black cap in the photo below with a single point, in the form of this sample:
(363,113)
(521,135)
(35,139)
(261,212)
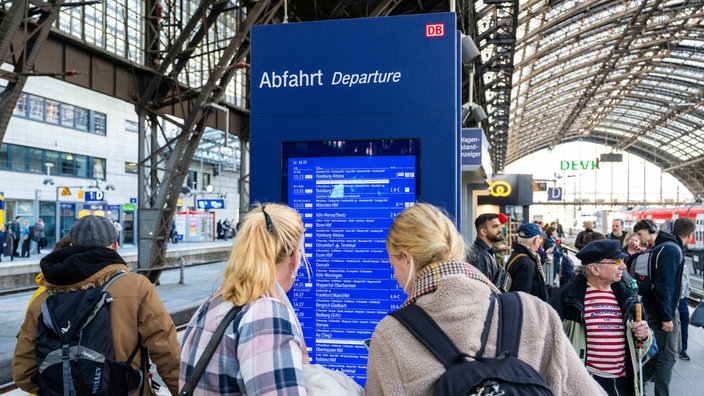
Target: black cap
(600,250)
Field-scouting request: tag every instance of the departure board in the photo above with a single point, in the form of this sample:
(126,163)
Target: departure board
(348,204)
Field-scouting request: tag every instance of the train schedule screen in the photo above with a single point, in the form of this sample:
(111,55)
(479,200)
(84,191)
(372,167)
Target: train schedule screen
(348,204)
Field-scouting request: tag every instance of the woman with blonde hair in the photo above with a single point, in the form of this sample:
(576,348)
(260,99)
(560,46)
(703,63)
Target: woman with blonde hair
(262,351)
(426,251)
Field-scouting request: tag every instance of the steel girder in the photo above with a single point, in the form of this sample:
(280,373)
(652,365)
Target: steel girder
(625,74)
(163,167)
(35,18)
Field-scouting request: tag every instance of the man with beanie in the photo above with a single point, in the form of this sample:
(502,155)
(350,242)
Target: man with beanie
(598,316)
(137,315)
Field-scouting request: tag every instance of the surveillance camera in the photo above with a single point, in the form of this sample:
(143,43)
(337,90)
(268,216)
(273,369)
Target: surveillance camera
(48,180)
(470,51)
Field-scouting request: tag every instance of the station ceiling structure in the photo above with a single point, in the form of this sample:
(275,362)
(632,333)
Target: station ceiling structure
(626,74)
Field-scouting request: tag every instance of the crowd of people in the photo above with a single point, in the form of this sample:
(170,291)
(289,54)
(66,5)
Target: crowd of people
(20,235)
(581,332)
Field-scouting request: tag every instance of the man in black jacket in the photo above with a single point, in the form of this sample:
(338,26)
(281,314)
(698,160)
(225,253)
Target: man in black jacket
(16,236)
(667,264)
(482,254)
(524,264)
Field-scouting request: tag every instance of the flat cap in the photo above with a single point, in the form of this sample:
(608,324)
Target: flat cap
(599,250)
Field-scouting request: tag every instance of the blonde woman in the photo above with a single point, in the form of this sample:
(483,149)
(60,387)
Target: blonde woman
(426,252)
(262,351)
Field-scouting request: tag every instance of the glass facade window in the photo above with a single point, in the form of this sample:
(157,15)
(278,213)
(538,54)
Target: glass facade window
(53,111)
(81,166)
(67,165)
(131,167)
(21,106)
(36,107)
(80,118)
(192,180)
(131,126)
(98,169)
(100,123)
(67,115)
(52,157)
(18,158)
(4,157)
(36,163)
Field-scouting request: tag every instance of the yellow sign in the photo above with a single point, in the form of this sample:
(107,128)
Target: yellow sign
(80,194)
(180,201)
(65,191)
(500,188)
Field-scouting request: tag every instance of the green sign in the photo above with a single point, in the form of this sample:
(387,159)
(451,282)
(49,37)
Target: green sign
(579,165)
(128,207)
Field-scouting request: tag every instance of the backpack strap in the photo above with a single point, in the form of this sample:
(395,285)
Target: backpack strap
(199,369)
(111,280)
(424,328)
(510,319)
(427,331)
(514,259)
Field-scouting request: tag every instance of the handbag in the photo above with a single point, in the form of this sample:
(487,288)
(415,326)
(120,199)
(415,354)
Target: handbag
(697,318)
(199,369)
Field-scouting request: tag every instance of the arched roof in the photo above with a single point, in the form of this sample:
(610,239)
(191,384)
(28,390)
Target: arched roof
(627,74)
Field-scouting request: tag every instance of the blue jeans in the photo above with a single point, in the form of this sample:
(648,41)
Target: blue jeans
(683,308)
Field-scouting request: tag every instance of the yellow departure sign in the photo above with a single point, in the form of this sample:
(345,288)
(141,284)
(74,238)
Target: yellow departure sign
(65,191)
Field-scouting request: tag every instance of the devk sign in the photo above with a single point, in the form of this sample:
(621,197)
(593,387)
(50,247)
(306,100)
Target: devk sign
(579,165)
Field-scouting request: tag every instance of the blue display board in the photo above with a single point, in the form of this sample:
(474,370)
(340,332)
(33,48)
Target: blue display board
(340,113)
(348,203)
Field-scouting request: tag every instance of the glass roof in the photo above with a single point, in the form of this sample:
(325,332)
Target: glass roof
(623,73)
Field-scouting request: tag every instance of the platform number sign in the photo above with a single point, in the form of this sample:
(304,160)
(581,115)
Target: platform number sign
(554,193)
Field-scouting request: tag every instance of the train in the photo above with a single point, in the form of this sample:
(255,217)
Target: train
(664,217)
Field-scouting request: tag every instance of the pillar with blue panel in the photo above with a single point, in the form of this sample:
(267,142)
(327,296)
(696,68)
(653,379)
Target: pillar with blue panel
(351,122)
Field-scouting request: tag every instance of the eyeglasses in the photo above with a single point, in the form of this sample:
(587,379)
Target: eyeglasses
(616,263)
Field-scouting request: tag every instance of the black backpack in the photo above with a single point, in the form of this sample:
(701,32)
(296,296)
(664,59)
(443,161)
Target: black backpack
(643,266)
(504,374)
(74,348)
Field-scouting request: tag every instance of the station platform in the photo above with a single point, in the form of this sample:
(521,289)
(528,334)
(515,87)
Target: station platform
(201,281)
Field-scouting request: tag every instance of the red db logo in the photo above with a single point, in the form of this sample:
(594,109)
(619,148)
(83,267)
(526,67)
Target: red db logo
(435,30)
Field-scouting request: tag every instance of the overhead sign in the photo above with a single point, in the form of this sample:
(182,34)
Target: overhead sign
(211,203)
(133,200)
(509,190)
(579,165)
(90,196)
(65,191)
(471,146)
(554,193)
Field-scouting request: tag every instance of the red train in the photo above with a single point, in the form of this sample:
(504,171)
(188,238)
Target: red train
(663,218)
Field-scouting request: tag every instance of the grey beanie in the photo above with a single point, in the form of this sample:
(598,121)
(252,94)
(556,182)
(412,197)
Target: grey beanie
(93,231)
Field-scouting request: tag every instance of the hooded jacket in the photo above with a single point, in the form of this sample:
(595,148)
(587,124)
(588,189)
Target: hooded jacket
(661,304)
(136,313)
(569,304)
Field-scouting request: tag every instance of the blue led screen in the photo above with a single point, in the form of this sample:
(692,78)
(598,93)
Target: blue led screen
(348,204)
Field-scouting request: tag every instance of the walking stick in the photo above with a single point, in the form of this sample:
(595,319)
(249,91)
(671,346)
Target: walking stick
(639,317)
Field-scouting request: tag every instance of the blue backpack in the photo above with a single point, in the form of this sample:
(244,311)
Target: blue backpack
(503,374)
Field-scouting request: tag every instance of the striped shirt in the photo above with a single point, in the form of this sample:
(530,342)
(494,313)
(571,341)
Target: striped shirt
(261,353)
(606,340)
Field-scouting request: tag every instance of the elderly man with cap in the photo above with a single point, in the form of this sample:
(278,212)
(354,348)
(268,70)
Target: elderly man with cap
(137,315)
(598,316)
(482,254)
(524,264)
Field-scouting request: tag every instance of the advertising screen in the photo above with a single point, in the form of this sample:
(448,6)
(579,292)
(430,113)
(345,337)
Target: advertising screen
(348,194)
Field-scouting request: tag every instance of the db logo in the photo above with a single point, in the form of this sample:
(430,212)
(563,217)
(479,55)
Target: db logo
(435,30)
(500,188)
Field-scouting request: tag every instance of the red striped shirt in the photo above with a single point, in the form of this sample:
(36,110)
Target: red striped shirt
(606,340)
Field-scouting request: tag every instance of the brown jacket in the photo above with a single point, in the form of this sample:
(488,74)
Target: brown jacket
(136,311)
(399,365)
